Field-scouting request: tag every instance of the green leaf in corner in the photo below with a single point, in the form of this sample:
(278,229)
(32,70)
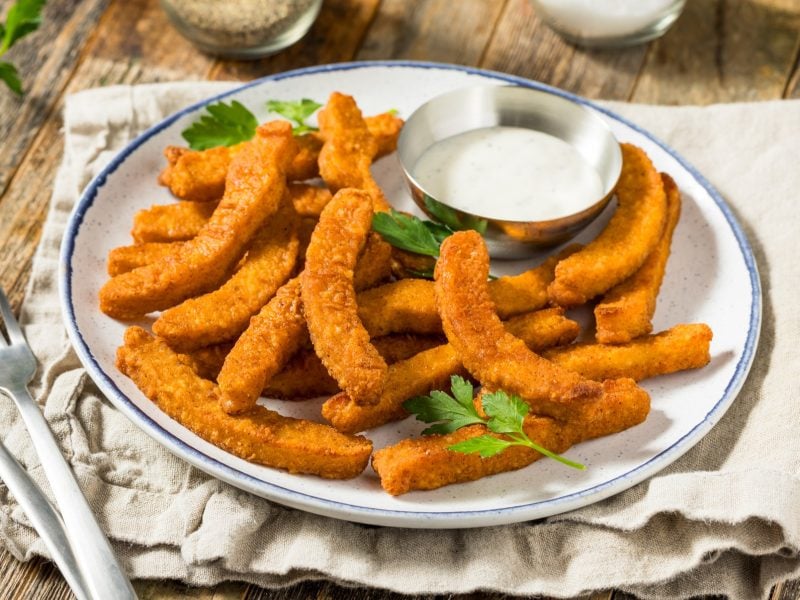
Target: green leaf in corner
(406,232)
(224,125)
(297,111)
(23,17)
(8,74)
(485,445)
(453,219)
(447,413)
(506,413)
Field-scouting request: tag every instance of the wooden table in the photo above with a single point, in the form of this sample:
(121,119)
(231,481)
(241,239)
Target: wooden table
(718,51)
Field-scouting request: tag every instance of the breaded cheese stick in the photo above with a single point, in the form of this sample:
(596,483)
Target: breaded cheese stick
(255,186)
(488,351)
(409,305)
(175,222)
(349,149)
(329,297)
(426,463)
(276,333)
(223,314)
(432,369)
(127,258)
(304,376)
(677,349)
(624,243)
(627,309)
(260,435)
(199,176)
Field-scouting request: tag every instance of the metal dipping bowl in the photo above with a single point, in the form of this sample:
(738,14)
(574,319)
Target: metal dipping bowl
(490,106)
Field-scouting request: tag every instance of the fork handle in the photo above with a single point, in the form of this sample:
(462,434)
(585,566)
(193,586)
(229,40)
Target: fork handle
(44,518)
(102,574)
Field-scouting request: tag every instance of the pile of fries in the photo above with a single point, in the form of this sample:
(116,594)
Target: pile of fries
(270,281)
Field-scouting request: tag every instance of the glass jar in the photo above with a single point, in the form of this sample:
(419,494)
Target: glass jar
(244,29)
(609,22)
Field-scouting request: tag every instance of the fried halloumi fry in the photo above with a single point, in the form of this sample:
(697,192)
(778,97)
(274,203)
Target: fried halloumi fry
(349,149)
(426,463)
(199,176)
(182,221)
(329,297)
(409,305)
(677,349)
(309,200)
(627,309)
(255,186)
(304,376)
(127,258)
(276,333)
(271,338)
(175,222)
(431,369)
(374,263)
(260,435)
(627,239)
(223,314)
(488,351)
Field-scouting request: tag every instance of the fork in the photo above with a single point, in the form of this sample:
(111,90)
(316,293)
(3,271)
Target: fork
(102,574)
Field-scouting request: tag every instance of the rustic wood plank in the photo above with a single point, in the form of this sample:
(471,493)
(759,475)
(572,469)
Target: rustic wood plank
(433,30)
(334,37)
(46,60)
(793,85)
(723,51)
(789,590)
(37,579)
(523,45)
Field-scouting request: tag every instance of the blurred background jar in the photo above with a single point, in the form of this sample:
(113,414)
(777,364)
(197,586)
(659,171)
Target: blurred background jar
(609,22)
(244,29)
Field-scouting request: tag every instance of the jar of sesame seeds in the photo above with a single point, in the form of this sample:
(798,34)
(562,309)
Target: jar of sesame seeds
(244,29)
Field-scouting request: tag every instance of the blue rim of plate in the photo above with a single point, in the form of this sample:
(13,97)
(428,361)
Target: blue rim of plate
(403,518)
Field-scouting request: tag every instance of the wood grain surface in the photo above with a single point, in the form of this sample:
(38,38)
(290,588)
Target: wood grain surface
(718,51)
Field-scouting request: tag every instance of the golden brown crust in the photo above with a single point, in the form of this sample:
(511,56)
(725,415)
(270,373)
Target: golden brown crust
(488,351)
(677,349)
(175,222)
(431,369)
(309,200)
(624,244)
(427,463)
(409,305)
(223,314)
(329,297)
(271,338)
(255,186)
(196,176)
(260,435)
(627,309)
(127,258)
(349,149)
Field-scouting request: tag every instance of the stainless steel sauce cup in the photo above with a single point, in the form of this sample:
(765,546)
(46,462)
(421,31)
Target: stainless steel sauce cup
(490,106)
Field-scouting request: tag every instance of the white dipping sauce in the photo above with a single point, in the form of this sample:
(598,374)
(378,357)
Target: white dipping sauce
(603,18)
(509,173)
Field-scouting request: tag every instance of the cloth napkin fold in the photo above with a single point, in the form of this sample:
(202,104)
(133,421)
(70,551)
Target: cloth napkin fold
(723,519)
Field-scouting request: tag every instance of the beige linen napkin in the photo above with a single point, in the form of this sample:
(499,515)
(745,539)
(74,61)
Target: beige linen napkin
(724,519)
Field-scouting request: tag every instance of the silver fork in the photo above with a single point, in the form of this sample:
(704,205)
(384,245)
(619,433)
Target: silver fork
(102,574)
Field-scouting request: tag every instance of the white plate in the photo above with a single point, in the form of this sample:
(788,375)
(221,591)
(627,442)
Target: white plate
(711,278)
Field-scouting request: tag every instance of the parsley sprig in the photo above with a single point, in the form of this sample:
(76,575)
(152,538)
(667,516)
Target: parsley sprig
(224,125)
(297,111)
(23,17)
(230,124)
(421,236)
(506,415)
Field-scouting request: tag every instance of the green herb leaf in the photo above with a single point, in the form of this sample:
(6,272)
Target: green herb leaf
(506,414)
(485,445)
(297,111)
(452,219)
(8,74)
(225,125)
(448,413)
(406,232)
(506,418)
(23,17)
